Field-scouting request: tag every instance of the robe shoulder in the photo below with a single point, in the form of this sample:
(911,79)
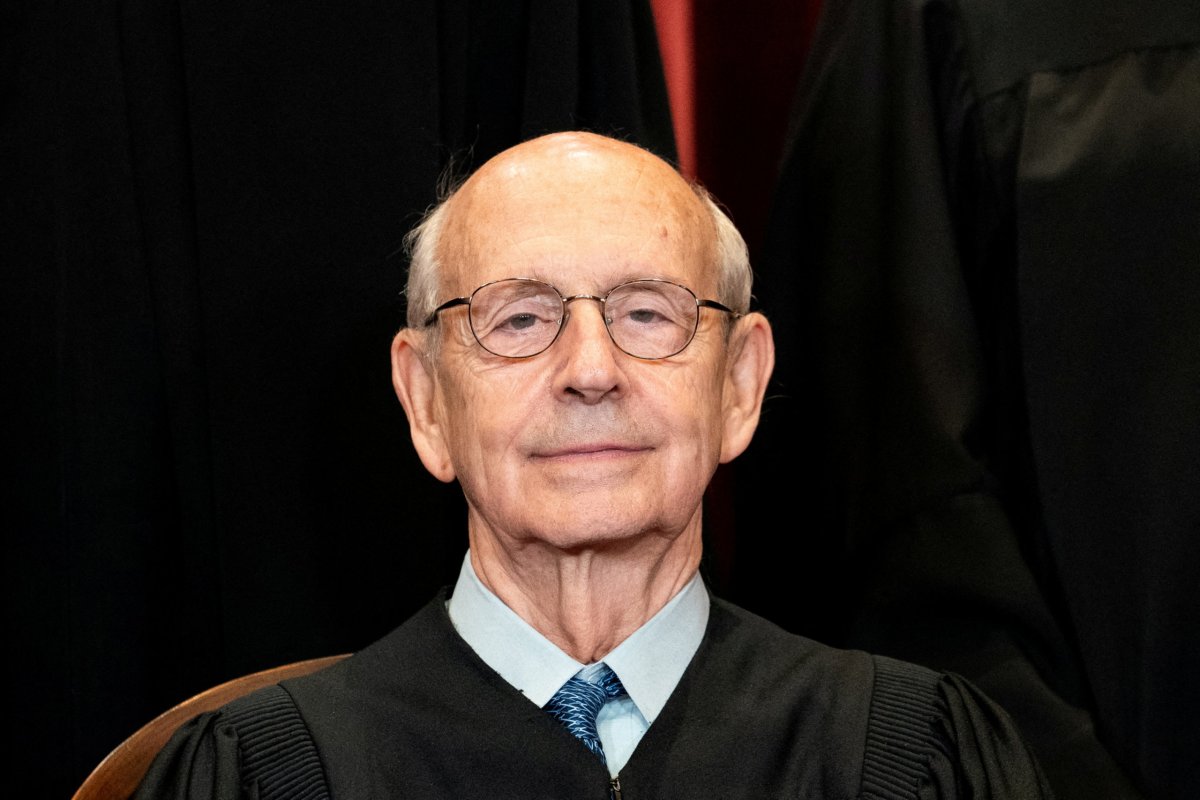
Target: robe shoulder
(908,731)
(255,747)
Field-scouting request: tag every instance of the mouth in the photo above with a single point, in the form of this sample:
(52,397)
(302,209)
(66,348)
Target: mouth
(591,451)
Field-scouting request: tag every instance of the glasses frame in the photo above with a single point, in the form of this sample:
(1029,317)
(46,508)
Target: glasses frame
(567,299)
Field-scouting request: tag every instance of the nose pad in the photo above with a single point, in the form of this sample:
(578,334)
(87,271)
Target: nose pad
(600,310)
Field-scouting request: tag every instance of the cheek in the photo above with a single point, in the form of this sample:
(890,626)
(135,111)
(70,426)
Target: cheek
(693,407)
(483,419)
(702,395)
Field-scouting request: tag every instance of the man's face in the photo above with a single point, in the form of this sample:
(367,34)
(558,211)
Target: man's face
(581,444)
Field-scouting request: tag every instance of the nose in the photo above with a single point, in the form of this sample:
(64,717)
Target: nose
(591,368)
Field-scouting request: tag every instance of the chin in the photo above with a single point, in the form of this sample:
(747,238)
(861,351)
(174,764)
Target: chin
(589,538)
(604,526)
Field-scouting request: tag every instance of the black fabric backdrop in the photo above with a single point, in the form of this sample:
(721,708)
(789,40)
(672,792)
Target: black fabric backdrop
(987,233)
(205,470)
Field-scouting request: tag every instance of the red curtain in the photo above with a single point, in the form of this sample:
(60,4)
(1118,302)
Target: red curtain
(731,74)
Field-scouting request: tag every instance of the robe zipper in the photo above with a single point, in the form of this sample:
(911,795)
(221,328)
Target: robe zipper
(614,789)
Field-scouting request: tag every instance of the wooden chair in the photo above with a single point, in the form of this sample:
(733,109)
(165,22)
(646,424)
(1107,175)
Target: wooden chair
(118,775)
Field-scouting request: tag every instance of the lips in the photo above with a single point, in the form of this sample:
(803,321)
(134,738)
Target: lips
(590,450)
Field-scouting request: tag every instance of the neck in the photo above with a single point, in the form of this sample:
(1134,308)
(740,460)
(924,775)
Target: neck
(590,598)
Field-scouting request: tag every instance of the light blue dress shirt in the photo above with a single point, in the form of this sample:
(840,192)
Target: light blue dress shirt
(649,663)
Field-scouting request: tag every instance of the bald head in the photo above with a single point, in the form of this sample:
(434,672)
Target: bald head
(578,184)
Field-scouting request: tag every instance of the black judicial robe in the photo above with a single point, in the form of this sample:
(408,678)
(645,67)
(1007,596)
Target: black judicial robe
(984,268)
(759,713)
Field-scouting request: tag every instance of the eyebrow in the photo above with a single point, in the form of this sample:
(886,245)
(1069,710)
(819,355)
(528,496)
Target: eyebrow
(624,277)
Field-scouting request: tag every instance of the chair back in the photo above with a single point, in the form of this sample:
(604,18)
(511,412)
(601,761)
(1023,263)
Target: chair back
(118,775)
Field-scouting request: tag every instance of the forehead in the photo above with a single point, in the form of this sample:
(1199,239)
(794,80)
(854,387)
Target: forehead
(581,212)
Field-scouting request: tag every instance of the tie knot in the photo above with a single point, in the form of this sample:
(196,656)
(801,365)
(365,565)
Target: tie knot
(580,699)
(600,676)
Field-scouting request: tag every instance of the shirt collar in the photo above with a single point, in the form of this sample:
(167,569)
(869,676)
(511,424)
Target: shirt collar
(649,662)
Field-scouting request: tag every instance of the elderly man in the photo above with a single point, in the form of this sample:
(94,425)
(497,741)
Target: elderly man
(580,356)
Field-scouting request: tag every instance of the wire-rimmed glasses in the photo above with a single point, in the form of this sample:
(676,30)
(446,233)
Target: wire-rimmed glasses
(521,317)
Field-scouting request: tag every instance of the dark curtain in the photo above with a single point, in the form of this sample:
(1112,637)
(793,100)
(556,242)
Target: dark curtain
(205,469)
(987,235)
(746,67)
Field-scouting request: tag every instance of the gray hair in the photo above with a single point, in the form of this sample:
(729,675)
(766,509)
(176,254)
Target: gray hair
(734,275)
(424,269)
(424,242)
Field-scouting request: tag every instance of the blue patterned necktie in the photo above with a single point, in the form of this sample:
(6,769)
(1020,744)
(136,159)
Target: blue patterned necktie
(580,699)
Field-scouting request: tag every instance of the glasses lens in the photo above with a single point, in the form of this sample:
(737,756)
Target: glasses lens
(651,319)
(516,318)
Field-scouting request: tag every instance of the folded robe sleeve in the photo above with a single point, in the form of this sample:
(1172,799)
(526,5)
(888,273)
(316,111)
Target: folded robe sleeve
(256,747)
(937,737)
(992,759)
(200,761)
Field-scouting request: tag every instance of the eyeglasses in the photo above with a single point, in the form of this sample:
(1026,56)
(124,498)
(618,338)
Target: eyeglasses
(522,317)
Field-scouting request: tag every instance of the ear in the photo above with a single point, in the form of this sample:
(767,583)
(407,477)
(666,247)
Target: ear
(416,386)
(751,360)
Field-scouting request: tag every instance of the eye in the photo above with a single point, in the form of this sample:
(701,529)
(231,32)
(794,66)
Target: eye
(518,322)
(645,316)
(642,306)
(513,317)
